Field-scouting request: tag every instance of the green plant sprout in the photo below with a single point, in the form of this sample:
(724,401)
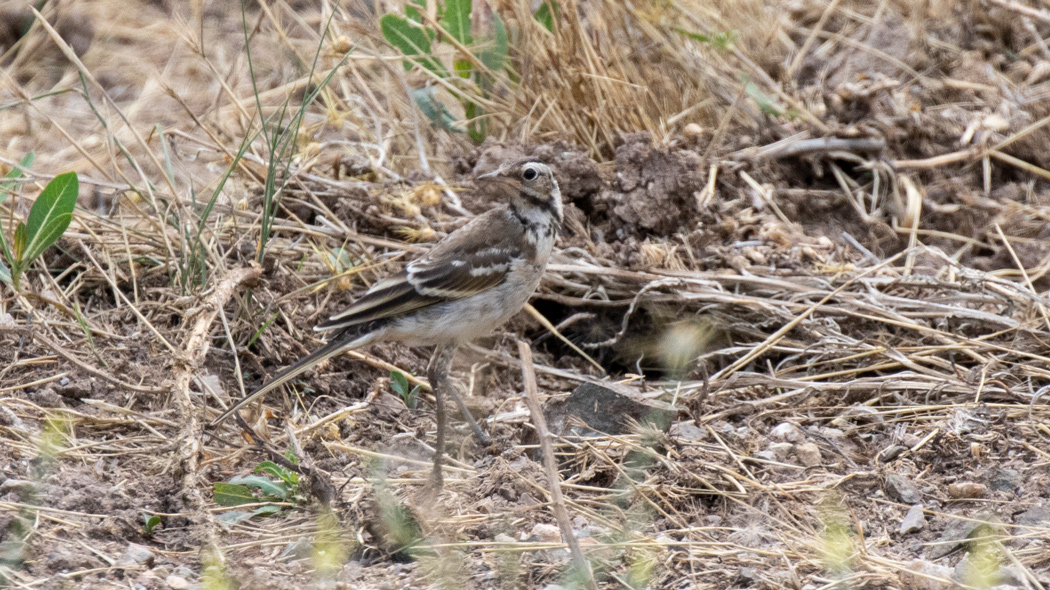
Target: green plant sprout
(399,383)
(472,73)
(240,490)
(48,219)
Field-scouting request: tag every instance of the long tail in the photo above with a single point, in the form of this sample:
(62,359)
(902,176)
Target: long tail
(340,343)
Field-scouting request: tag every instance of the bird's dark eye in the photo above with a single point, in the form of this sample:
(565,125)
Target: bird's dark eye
(529,174)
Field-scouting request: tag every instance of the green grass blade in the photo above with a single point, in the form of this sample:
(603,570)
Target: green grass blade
(5,274)
(16,172)
(50,215)
(456,20)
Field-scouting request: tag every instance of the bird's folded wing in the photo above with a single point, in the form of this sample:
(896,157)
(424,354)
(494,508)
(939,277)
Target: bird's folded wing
(443,275)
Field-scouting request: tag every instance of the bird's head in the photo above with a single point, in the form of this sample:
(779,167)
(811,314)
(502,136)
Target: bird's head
(534,193)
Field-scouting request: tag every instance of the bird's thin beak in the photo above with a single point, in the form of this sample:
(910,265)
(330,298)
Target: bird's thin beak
(492,174)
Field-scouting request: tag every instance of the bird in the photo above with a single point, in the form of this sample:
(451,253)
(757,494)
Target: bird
(464,287)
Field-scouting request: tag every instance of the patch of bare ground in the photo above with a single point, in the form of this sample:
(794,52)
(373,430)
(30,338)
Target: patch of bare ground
(813,231)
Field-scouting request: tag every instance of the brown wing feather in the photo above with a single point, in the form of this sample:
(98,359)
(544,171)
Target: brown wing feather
(464,264)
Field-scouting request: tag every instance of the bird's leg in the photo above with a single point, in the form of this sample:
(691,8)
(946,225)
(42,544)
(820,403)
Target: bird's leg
(453,391)
(478,432)
(437,374)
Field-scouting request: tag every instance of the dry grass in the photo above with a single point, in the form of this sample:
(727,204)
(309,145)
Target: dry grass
(883,295)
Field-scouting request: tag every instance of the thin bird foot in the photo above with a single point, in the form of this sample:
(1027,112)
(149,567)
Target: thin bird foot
(437,374)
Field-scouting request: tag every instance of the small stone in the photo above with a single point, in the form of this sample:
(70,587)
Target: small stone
(692,131)
(688,431)
(17,485)
(902,490)
(46,398)
(911,440)
(766,455)
(136,554)
(832,433)
(301,548)
(1005,480)
(923,575)
(177,582)
(1038,516)
(546,533)
(786,431)
(808,454)
(967,489)
(503,538)
(959,532)
(782,450)
(891,452)
(914,521)
(989,571)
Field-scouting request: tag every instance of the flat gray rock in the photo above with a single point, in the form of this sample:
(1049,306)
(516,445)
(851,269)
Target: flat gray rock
(604,410)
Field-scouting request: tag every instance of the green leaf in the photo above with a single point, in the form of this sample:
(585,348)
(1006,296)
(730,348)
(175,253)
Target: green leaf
(151,521)
(50,215)
(494,57)
(285,475)
(16,172)
(767,103)
(456,20)
(5,274)
(266,510)
(228,494)
(233,517)
(268,487)
(399,383)
(411,40)
(462,67)
(546,14)
(414,10)
(437,112)
(20,243)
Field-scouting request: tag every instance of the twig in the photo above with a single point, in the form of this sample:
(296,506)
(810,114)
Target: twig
(1021,8)
(549,465)
(195,349)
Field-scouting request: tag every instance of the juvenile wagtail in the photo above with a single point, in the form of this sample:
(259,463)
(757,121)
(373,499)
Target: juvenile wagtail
(468,284)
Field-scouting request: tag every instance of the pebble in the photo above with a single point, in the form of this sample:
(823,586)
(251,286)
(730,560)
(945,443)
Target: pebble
(967,489)
(809,454)
(301,548)
(547,533)
(766,455)
(177,582)
(1037,516)
(902,489)
(959,532)
(687,431)
(781,450)
(17,485)
(786,431)
(136,554)
(892,452)
(914,521)
(923,575)
(1006,480)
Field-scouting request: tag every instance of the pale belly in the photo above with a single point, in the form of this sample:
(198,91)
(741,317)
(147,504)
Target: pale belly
(466,319)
